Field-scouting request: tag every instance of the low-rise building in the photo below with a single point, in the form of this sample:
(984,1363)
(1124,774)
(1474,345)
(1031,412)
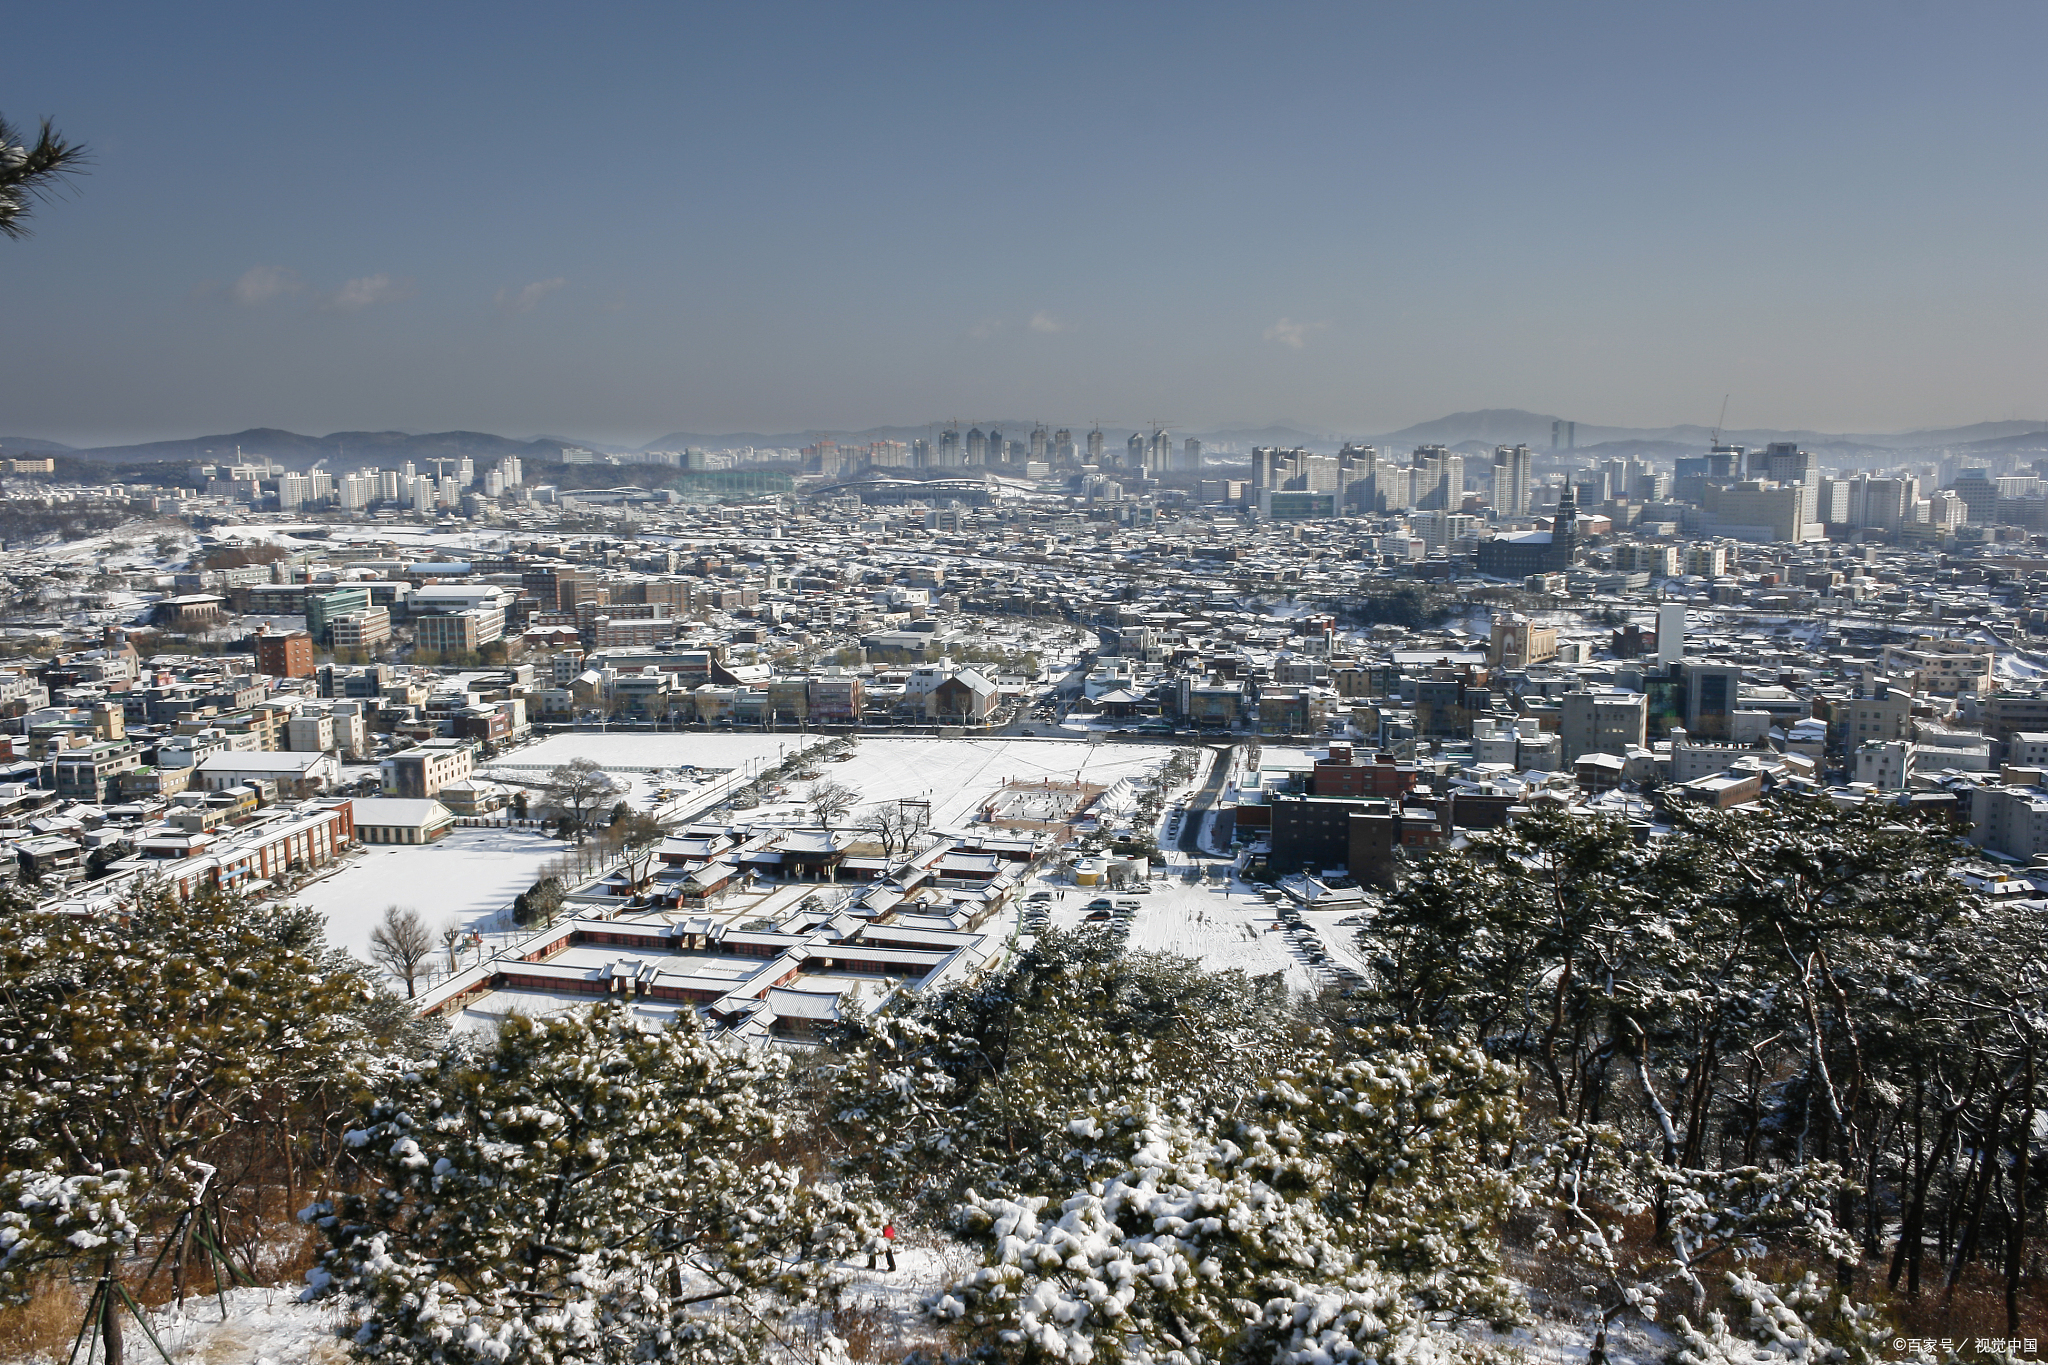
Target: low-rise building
(401,820)
(422,771)
(364,629)
(296,774)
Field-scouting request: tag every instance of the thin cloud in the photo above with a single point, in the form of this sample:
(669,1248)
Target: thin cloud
(1046,322)
(359,294)
(512,302)
(1293,334)
(263,283)
(986,328)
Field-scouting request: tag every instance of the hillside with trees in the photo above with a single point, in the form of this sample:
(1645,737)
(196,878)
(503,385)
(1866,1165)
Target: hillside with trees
(1767,1079)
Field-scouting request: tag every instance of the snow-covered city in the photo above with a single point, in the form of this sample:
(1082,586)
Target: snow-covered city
(1023,685)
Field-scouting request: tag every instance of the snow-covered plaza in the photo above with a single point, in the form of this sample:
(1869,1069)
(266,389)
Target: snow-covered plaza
(959,775)
(468,878)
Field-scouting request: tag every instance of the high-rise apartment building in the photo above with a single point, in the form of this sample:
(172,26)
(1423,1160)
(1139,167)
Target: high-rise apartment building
(1095,446)
(1439,479)
(1191,454)
(1511,475)
(293,492)
(1756,510)
(1785,462)
(1440,530)
(1159,452)
(1879,504)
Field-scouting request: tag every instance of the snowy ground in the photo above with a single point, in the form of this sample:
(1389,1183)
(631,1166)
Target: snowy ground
(627,749)
(644,764)
(1222,924)
(957,775)
(469,877)
(270,1326)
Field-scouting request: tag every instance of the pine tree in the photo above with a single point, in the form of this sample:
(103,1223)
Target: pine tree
(972,1087)
(32,171)
(586,1189)
(157,1069)
(1362,1201)
(1798,1324)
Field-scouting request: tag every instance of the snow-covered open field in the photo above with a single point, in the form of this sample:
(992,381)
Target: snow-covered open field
(468,877)
(627,749)
(637,762)
(957,775)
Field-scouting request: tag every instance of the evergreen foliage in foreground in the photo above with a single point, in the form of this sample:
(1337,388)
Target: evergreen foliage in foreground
(584,1189)
(1360,1199)
(1644,1064)
(158,1070)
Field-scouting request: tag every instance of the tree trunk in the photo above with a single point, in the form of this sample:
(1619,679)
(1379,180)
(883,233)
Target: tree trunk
(2023,1145)
(110,1318)
(1987,1167)
(1913,1191)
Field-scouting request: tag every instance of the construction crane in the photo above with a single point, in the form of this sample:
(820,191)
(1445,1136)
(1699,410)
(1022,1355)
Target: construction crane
(1720,422)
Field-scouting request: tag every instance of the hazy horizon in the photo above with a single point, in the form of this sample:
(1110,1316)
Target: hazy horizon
(633,221)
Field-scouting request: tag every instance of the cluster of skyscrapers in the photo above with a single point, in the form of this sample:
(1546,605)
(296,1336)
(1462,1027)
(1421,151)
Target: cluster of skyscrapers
(1152,453)
(270,485)
(1359,479)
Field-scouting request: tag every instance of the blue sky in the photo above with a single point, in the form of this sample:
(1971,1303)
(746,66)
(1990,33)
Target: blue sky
(616,221)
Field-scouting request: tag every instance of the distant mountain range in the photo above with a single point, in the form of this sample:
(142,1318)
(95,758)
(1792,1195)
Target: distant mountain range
(30,445)
(1476,431)
(290,448)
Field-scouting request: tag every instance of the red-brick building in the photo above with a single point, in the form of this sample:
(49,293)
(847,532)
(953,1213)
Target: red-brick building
(288,655)
(1342,774)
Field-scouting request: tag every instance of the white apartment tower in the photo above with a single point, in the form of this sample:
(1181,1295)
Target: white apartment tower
(1511,470)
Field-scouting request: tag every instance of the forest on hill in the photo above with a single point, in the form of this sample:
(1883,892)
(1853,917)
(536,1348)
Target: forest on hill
(1769,1079)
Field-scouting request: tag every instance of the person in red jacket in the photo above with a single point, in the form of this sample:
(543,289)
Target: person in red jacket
(886,1247)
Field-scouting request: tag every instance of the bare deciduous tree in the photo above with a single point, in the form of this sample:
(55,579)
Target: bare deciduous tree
(830,800)
(895,826)
(579,787)
(637,835)
(452,934)
(401,944)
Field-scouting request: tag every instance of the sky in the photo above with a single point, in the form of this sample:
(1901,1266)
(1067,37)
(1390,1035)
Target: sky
(617,221)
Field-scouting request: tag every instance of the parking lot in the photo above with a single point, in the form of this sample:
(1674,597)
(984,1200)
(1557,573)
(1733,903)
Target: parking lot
(1221,923)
